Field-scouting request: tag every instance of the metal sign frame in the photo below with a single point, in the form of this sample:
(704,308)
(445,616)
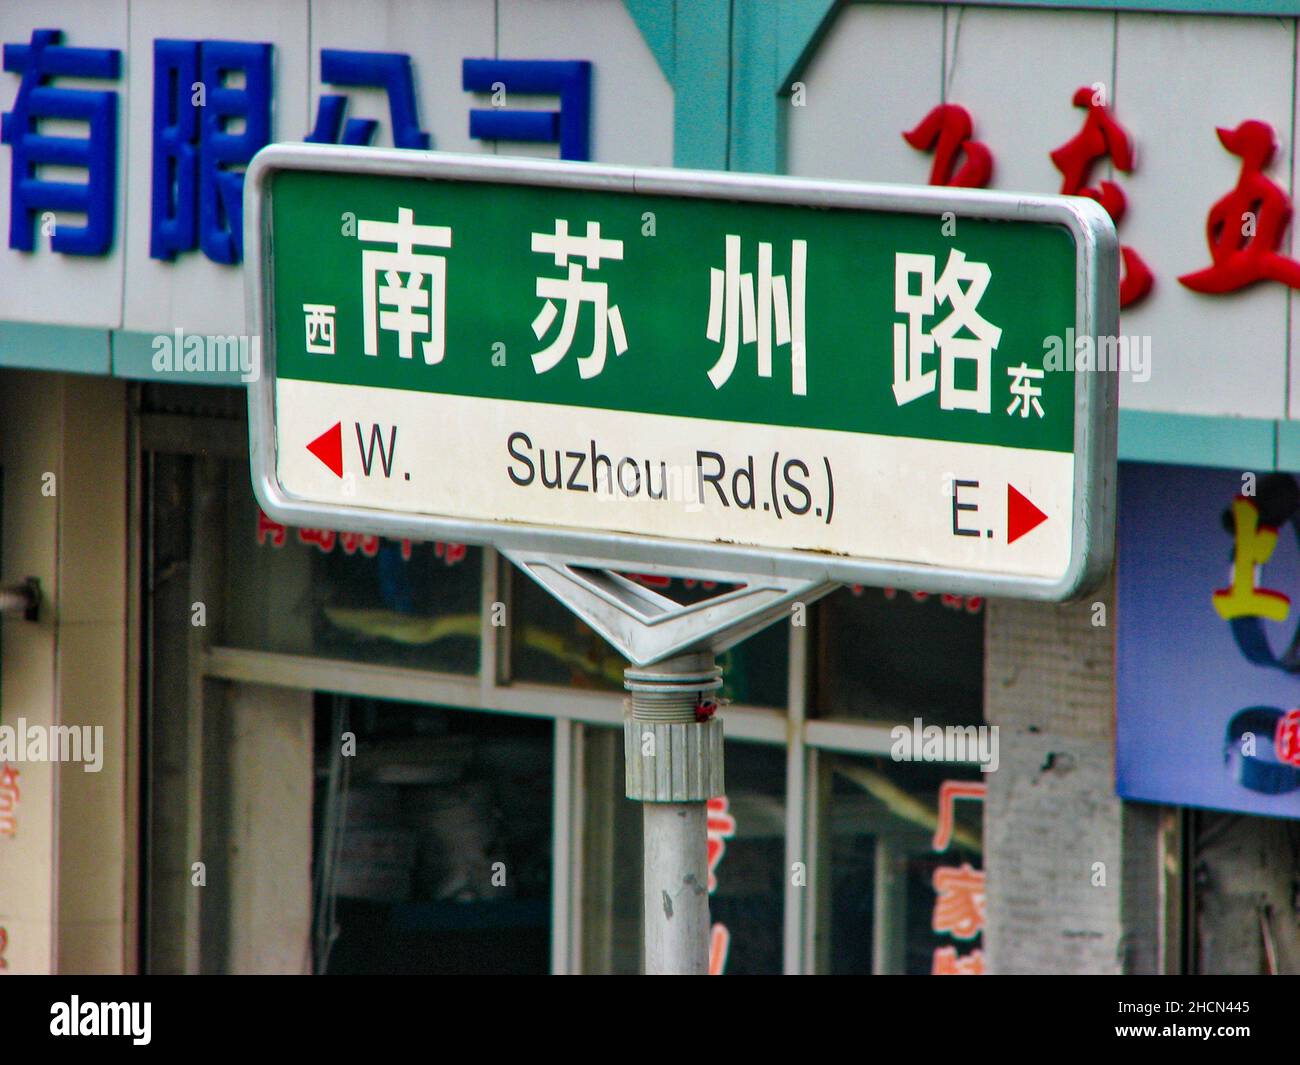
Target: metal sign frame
(1095,400)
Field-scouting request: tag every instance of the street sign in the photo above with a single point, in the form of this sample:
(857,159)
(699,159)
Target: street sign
(858,383)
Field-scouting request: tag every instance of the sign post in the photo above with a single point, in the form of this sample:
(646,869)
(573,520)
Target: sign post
(778,383)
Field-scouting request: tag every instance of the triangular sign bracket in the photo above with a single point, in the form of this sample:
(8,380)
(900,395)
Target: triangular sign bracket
(646,627)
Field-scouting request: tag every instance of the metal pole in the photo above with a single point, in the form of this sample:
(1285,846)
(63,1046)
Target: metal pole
(672,742)
(676,889)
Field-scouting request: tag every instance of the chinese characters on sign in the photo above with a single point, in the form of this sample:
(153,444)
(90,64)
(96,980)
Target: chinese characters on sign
(574,290)
(961,286)
(414,309)
(319,323)
(198,158)
(734,307)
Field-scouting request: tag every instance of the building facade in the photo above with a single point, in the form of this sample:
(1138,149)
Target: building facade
(311,750)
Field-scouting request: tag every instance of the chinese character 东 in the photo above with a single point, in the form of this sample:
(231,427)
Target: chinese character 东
(1023,393)
(737,315)
(320,328)
(912,341)
(30,192)
(575,290)
(414,308)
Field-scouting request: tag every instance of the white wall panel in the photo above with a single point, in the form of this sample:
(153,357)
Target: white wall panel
(436,34)
(44,285)
(878,72)
(192,292)
(631,100)
(1017,72)
(1178,78)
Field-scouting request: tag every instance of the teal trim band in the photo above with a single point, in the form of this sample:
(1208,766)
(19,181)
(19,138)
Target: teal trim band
(657,21)
(701,84)
(133,357)
(729,62)
(1288,446)
(757,132)
(1198,440)
(65,348)
(801,25)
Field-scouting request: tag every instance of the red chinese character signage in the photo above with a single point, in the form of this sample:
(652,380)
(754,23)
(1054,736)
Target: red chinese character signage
(947,131)
(1103,138)
(1245,228)
(1286,741)
(959,909)
(720,827)
(9,795)
(325,540)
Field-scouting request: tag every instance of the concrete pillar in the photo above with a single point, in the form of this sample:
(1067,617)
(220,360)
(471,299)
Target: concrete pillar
(1071,870)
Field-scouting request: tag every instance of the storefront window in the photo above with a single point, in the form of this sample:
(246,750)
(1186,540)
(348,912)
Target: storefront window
(348,596)
(747,863)
(886,655)
(904,844)
(550,645)
(611,860)
(443,861)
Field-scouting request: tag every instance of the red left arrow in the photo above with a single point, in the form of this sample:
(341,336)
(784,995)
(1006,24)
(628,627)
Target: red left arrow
(328,447)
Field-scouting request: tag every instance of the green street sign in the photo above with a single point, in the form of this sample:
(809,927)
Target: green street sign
(673,369)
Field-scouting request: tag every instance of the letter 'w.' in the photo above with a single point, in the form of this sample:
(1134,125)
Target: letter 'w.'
(377,440)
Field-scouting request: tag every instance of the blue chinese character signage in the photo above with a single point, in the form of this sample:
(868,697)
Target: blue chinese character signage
(1208,691)
(205,130)
(42,64)
(127,129)
(389,71)
(570,80)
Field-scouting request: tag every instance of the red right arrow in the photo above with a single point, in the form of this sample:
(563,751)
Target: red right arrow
(1022,515)
(328,447)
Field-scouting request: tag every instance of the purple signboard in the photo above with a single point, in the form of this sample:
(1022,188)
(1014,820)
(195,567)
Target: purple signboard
(1208,685)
